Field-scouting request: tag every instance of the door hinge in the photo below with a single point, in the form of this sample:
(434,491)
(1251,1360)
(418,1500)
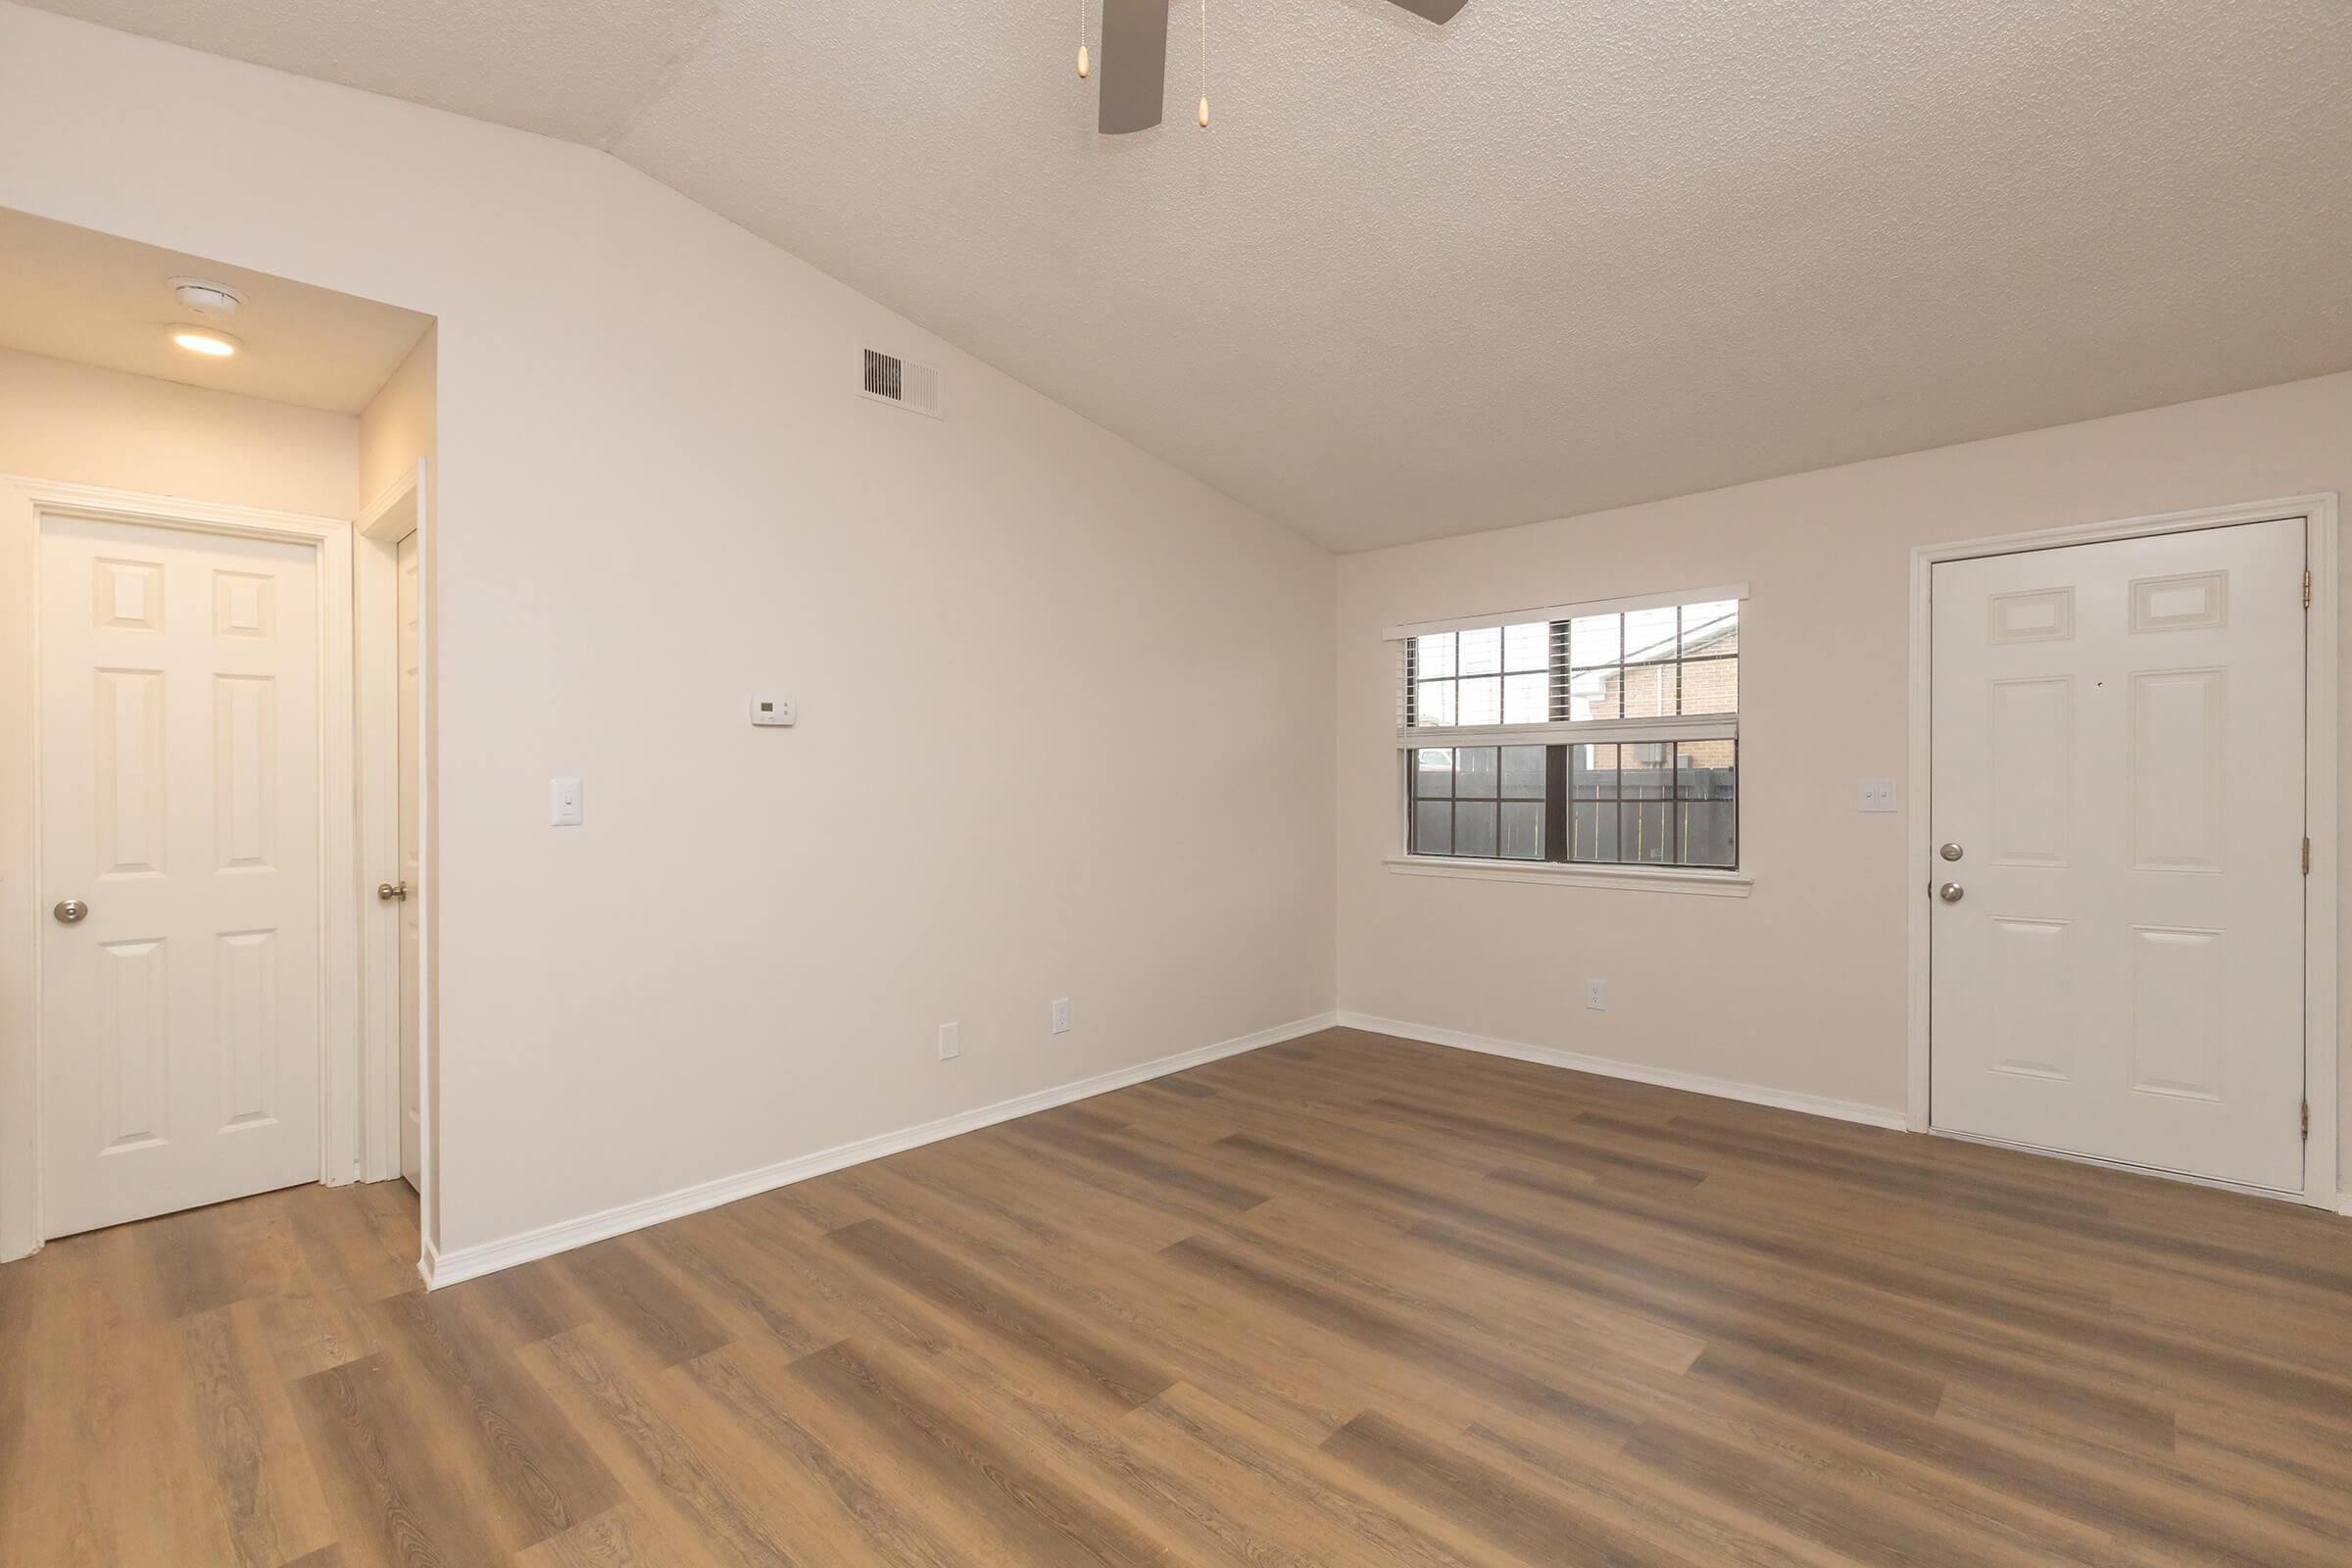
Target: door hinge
(2307,588)
(2307,1121)
(2307,856)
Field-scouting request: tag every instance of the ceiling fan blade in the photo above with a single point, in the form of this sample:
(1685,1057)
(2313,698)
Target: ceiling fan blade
(1438,11)
(1134,65)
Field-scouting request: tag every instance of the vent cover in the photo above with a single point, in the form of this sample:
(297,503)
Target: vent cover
(902,383)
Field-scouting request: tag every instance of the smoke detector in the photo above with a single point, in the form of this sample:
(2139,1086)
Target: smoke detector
(215,301)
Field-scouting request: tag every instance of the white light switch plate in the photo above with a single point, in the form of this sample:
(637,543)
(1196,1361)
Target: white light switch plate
(1878,794)
(564,802)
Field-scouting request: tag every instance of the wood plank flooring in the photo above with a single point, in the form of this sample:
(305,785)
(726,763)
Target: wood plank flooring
(1346,1300)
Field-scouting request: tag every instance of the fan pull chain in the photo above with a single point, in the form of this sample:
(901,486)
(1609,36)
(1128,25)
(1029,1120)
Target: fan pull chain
(1203,65)
(1083,62)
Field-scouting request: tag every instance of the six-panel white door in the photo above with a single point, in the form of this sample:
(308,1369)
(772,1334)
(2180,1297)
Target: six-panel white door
(409,635)
(179,734)
(2117,739)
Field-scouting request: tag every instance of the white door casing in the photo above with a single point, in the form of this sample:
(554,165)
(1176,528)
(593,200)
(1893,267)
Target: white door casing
(392,606)
(2117,746)
(409,642)
(182,1023)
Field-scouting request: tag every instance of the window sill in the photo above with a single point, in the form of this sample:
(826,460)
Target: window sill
(1641,878)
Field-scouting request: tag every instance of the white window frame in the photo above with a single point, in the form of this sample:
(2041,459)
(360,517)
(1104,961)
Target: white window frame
(1686,879)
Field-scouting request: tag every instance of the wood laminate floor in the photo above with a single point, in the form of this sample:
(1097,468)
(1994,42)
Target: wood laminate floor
(1348,1301)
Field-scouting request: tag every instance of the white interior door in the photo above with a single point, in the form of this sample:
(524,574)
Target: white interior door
(410,1081)
(180,776)
(2118,742)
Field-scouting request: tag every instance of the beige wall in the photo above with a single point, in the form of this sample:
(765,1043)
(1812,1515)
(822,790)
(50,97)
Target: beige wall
(131,433)
(1065,721)
(1799,987)
(398,426)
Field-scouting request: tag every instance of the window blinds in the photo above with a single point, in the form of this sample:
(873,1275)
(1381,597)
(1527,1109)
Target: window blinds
(1646,668)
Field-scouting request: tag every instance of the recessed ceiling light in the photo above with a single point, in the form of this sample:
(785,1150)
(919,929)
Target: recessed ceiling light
(205,340)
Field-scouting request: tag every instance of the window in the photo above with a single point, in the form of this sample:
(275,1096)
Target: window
(1595,734)
(1484,800)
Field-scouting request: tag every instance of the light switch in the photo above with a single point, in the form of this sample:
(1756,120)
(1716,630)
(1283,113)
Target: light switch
(564,802)
(1878,794)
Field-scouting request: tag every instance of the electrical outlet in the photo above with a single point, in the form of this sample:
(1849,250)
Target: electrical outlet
(1059,1021)
(1597,994)
(950,1041)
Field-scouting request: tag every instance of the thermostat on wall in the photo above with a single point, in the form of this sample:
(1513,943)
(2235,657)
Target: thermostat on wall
(771,711)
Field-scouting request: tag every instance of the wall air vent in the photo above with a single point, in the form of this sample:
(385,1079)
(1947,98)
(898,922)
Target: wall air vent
(902,383)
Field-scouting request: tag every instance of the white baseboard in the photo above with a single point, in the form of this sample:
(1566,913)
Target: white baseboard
(1607,1067)
(469,1262)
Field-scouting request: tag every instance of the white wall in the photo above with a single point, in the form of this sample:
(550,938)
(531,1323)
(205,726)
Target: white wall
(1065,723)
(1799,987)
(132,433)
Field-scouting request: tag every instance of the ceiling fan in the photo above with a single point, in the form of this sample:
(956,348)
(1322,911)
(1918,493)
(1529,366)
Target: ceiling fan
(1135,57)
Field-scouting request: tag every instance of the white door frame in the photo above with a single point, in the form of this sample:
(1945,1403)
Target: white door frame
(2322,810)
(341,1089)
(395,514)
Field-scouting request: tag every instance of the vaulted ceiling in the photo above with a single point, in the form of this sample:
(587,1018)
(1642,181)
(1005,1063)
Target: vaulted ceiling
(1555,256)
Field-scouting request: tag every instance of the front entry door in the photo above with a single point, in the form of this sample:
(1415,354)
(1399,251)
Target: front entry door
(179,778)
(2118,761)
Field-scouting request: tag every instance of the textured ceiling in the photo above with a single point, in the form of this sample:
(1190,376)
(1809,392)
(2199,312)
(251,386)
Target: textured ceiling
(1556,256)
(77,294)
(574,69)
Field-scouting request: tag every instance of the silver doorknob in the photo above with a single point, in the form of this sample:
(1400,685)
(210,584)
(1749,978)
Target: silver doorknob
(1951,851)
(71,911)
(1951,892)
(391,890)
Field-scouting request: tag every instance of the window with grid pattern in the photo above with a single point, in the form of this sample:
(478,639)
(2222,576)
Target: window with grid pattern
(1605,734)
